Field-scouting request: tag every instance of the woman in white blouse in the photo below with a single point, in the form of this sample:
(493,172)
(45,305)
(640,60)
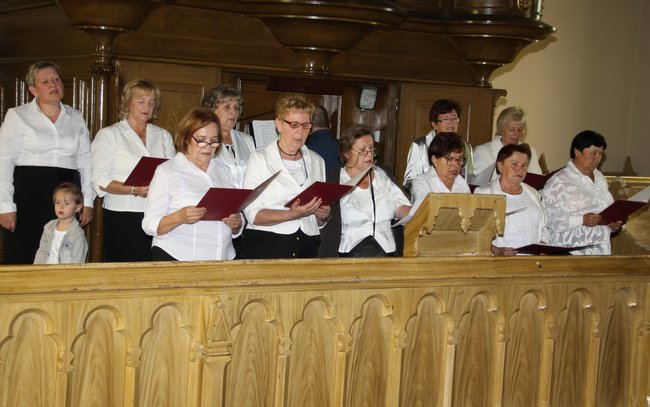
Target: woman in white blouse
(171,215)
(446,153)
(236,146)
(361,220)
(115,152)
(273,230)
(576,194)
(526,223)
(42,144)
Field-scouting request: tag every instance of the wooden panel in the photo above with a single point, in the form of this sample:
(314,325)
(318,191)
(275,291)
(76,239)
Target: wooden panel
(182,86)
(438,331)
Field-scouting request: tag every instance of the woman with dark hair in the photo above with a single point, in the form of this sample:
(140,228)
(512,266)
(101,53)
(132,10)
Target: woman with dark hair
(576,194)
(361,220)
(42,144)
(446,155)
(527,222)
(116,150)
(171,215)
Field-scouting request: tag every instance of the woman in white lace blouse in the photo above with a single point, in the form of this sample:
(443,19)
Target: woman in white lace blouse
(575,195)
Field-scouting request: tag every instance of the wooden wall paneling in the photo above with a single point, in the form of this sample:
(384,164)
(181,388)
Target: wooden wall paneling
(415,100)
(573,349)
(280,333)
(619,328)
(182,86)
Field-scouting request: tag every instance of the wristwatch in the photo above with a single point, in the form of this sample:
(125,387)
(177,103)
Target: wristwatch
(133,191)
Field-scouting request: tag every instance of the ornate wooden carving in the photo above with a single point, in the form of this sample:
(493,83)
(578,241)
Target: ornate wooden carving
(441,331)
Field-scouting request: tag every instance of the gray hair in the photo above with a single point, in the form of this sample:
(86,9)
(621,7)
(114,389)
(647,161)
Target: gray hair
(512,114)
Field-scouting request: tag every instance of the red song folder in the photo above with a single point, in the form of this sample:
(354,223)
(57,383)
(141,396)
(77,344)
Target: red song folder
(223,202)
(620,210)
(329,192)
(142,173)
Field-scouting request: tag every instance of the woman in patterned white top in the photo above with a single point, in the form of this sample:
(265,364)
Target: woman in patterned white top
(575,195)
(527,222)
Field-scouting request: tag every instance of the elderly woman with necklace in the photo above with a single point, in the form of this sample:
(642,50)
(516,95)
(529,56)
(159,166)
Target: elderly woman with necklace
(527,222)
(274,231)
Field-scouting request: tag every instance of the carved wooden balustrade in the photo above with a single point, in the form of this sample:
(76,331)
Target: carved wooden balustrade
(435,331)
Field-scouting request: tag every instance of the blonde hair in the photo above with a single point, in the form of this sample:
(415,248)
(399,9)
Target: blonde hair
(512,114)
(293,101)
(33,70)
(136,88)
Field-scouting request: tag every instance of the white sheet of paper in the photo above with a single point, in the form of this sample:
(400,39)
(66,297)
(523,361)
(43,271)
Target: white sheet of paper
(264,132)
(483,177)
(642,196)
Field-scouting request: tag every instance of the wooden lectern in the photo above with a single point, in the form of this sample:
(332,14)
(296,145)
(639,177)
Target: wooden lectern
(455,224)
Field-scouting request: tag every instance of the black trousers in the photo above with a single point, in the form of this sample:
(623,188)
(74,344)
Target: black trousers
(33,188)
(124,239)
(260,244)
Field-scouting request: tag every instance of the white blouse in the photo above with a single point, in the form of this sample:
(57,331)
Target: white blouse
(429,181)
(115,152)
(522,228)
(28,137)
(358,214)
(265,162)
(567,196)
(236,155)
(178,183)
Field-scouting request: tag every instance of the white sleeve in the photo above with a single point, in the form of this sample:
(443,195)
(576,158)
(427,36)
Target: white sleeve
(84,164)
(168,144)
(103,156)
(412,165)
(555,196)
(158,202)
(255,174)
(10,145)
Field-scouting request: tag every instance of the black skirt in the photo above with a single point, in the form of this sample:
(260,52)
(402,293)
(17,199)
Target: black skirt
(259,244)
(124,239)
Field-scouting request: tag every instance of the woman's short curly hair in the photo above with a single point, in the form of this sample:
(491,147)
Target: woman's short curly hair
(445,143)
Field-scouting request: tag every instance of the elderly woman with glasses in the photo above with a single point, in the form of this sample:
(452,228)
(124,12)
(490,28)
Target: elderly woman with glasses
(171,215)
(273,230)
(446,155)
(236,146)
(361,220)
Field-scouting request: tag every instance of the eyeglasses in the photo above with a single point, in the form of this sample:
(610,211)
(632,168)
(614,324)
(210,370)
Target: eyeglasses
(370,151)
(295,125)
(451,160)
(447,120)
(203,143)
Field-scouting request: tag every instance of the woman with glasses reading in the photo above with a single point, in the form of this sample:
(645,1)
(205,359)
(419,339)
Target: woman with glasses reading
(446,155)
(273,230)
(361,220)
(171,215)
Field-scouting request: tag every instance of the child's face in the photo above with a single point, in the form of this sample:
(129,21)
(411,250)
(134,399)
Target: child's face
(65,206)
